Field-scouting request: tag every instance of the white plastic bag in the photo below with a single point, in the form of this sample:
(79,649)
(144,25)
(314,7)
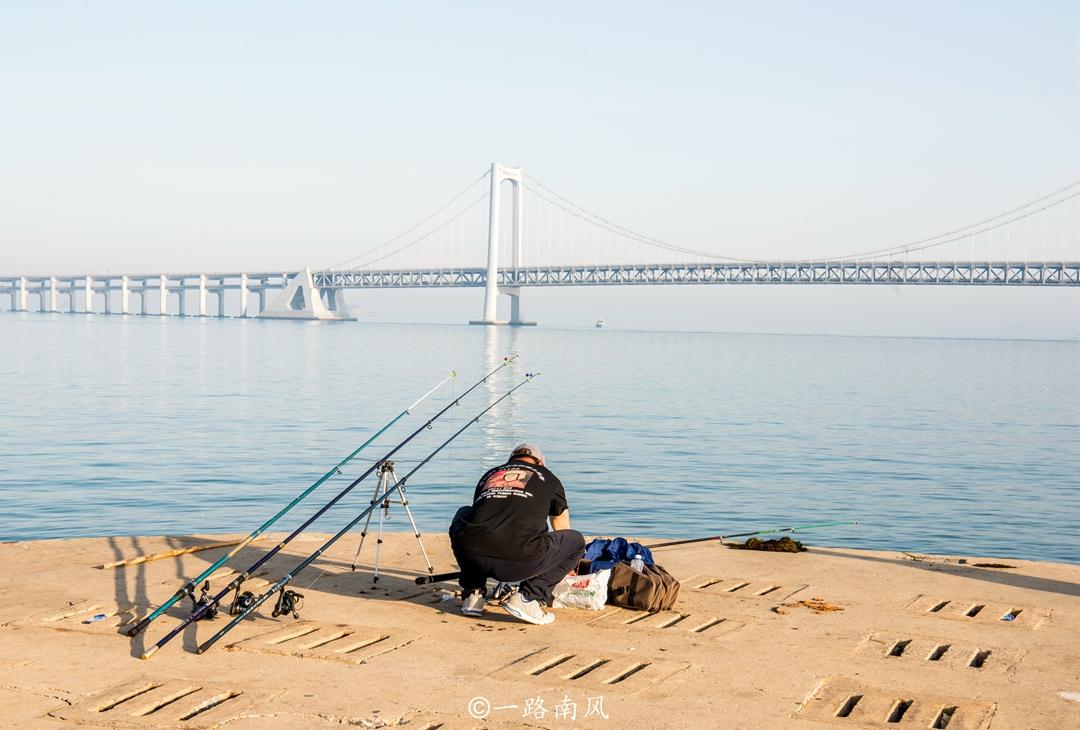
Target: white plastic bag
(582,591)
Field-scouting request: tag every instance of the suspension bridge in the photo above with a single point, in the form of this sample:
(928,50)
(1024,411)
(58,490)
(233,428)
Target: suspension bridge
(542,239)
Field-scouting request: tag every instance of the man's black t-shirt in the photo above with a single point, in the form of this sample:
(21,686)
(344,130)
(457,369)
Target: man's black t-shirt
(510,509)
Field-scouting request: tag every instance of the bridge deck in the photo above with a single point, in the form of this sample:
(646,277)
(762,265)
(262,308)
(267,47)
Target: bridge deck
(1002,273)
(892,273)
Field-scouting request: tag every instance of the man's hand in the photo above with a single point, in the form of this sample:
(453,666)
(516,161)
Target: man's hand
(562,521)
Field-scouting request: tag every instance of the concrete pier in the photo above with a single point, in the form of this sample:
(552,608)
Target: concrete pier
(202,295)
(243,295)
(119,290)
(301,300)
(163,296)
(784,641)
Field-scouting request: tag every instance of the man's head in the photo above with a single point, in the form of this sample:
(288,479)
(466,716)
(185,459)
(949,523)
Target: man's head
(527,452)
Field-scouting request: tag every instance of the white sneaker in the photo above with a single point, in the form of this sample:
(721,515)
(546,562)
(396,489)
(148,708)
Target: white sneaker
(473,604)
(530,611)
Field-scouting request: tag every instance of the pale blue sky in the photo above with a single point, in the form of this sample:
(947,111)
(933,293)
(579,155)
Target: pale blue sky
(145,136)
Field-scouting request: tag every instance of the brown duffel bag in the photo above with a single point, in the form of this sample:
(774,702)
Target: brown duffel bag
(653,589)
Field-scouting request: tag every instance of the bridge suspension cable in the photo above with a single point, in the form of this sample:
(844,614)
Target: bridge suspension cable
(427,235)
(415,226)
(589,217)
(984,226)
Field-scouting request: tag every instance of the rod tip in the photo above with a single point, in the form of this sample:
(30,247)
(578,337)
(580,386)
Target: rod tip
(148,653)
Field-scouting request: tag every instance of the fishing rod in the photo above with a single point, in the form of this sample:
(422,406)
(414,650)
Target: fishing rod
(440,577)
(207,606)
(774,531)
(189,588)
(288,600)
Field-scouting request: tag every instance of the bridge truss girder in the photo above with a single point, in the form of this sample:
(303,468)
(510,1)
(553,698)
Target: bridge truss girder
(974,273)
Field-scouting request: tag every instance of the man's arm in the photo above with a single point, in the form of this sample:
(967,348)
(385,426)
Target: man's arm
(561,521)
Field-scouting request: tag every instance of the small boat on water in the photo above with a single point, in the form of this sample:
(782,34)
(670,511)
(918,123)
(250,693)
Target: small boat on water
(600,323)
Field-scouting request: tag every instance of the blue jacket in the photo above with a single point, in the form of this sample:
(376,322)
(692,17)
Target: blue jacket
(604,554)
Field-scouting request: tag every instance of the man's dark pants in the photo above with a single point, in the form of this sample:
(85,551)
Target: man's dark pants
(562,549)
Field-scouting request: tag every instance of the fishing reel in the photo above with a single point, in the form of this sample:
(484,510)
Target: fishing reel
(241,602)
(288,602)
(204,602)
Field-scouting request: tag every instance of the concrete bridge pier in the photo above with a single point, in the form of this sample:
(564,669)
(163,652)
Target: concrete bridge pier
(516,318)
(301,300)
(21,306)
(163,296)
(88,295)
(515,306)
(125,295)
(251,297)
(202,295)
(39,291)
(334,298)
(243,295)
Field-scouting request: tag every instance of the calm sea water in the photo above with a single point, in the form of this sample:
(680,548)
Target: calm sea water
(116,426)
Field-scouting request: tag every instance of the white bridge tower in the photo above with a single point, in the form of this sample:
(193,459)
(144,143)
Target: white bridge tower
(499,174)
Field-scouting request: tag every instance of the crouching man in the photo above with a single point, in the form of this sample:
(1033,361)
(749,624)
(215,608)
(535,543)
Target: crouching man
(504,535)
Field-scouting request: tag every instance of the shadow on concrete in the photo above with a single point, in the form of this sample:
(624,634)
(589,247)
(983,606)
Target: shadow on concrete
(121,577)
(326,575)
(138,595)
(1007,577)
